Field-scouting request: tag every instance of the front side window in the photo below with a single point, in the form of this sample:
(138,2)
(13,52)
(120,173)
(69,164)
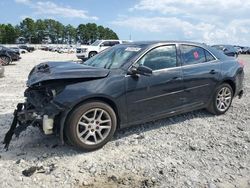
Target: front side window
(112,43)
(160,58)
(192,54)
(96,43)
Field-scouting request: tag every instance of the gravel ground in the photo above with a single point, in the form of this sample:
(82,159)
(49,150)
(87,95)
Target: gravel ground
(191,150)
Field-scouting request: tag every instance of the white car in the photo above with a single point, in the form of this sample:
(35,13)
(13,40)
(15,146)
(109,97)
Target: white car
(23,51)
(88,51)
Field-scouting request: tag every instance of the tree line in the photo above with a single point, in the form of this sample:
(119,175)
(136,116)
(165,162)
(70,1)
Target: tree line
(51,31)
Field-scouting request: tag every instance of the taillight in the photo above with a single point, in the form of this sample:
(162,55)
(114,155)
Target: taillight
(242,63)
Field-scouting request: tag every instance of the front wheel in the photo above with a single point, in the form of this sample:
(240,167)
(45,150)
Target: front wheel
(221,100)
(91,125)
(91,54)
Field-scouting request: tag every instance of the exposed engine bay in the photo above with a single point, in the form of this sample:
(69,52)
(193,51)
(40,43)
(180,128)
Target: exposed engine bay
(38,110)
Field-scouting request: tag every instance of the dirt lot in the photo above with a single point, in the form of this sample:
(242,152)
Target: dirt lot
(190,150)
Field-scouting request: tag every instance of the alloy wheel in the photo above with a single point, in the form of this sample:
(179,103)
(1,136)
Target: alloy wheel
(94,126)
(224,98)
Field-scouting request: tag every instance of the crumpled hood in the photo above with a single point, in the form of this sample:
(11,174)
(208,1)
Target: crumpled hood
(63,70)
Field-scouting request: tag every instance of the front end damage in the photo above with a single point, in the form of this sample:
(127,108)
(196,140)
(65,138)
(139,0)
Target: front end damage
(39,110)
(45,82)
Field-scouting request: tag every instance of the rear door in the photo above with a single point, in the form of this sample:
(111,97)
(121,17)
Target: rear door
(160,93)
(201,72)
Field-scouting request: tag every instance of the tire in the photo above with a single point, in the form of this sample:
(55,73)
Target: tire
(91,54)
(220,97)
(91,125)
(6,60)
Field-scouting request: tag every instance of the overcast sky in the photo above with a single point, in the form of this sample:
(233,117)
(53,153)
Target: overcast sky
(209,21)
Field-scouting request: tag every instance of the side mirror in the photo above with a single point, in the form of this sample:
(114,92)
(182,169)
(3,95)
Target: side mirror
(143,70)
(101,45)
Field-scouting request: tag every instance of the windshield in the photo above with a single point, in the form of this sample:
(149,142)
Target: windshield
(96,43)
(113,57)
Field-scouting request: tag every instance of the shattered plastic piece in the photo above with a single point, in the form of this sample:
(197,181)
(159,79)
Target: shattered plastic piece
(11,131)
(38,169)
(30,171)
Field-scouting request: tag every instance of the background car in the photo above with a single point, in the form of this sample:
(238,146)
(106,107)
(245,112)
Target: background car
(238,49)
(125,85)
(21,51)
(87,51)
(28,48)
(1,69)
(246,50)
(8,55)
(229,50)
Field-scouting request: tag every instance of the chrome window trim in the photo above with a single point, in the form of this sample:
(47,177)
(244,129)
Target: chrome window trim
(214,61)
(176,47)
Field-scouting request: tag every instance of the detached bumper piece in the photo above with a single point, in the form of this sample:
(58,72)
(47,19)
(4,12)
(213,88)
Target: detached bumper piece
(13,126)
(241,94)
(25,116)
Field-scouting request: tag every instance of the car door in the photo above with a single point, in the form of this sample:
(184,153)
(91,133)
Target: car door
(158,94)
(201,72)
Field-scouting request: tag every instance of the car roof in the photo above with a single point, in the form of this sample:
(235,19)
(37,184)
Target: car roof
(150,43)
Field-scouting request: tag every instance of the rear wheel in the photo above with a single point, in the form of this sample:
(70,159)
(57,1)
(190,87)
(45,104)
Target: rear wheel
(5,60)
(221,100)
(91,125)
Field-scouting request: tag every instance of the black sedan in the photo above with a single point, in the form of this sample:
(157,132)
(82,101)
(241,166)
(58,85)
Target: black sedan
(8,55)
(125,85)
(28,48)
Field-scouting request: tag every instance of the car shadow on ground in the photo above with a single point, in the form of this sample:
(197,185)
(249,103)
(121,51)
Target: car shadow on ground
(33,144)
(169,121)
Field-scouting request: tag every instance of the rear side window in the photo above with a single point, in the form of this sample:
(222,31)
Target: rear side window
(192,54)
(160,58)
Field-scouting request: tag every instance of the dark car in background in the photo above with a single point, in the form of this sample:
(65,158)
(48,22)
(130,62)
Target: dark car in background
(8,55)
(125,85)
(1,69)
(28,48)
(229,50)
(245,50)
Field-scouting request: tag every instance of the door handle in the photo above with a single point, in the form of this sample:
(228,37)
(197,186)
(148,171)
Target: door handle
(212,71)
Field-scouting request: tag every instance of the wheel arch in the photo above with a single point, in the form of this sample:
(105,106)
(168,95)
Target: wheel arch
(92,52)
(231,83)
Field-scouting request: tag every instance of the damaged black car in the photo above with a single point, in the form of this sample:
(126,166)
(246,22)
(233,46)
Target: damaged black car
(125,85)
